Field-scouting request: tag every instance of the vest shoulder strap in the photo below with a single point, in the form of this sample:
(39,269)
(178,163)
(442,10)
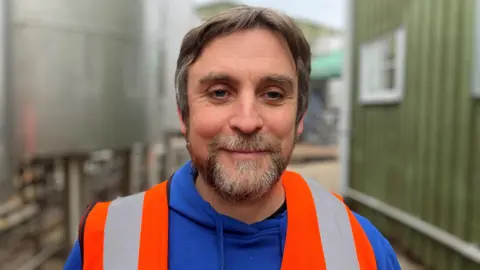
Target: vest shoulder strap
(345,244)
(91,233)
(140,219)
(81,228)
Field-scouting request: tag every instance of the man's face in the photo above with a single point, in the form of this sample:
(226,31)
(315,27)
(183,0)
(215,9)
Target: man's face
(242,96)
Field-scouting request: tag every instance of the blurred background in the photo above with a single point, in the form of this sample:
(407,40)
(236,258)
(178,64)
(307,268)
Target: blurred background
(87,112)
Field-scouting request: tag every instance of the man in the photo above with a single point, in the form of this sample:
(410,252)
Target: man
(242,84)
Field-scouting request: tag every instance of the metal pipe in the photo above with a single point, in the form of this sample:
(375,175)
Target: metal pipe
(156,153)
(345,113)
(6,173)
(467,250)
(74,183)
(136,161)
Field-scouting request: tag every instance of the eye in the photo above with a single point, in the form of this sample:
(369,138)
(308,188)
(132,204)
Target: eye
(274,95)
(219,94)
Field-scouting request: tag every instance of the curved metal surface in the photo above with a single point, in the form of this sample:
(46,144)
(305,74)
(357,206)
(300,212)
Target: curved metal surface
(6,182)
(180,17)
(87,75)
(76,75)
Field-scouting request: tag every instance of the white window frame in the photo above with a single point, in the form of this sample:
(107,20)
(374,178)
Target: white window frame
(476,53)
(369,51)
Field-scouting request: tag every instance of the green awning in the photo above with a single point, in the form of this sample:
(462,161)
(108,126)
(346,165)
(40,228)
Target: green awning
(327,66)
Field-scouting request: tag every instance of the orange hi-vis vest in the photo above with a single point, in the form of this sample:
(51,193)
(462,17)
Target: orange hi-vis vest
(322,233)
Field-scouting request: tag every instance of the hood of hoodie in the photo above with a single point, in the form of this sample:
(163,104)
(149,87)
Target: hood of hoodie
(186,201)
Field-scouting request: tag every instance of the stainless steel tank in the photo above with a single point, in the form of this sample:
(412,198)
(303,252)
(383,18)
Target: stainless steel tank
(77,70)
(6,181)
(175,19)
(179,19)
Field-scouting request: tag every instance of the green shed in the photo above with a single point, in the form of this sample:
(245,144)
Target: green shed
(412,147)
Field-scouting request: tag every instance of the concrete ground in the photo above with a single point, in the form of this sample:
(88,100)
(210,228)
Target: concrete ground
(328,173)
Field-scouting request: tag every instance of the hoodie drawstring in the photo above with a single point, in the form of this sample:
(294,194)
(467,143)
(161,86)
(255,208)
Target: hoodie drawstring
(282,235)
(221,245)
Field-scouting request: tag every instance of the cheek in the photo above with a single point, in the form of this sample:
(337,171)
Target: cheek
(281,124)
(204,125)
(288,143)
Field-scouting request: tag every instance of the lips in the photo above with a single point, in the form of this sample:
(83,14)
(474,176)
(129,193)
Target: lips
(248,151)
(246,154)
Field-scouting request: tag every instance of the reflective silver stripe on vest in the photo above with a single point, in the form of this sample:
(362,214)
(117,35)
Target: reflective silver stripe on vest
(122,233)
(335,229)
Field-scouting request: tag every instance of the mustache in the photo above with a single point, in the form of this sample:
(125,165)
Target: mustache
(257,142)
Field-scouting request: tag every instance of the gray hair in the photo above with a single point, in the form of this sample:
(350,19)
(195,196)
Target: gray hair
(233,20)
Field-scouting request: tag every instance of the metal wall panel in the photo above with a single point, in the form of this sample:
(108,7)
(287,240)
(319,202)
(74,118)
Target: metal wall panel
(473,225)
(417,155)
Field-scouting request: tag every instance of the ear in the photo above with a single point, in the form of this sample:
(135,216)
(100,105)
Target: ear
(300,125)
(183,126)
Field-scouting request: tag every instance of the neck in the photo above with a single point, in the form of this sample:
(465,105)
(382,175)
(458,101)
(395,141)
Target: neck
(248,212)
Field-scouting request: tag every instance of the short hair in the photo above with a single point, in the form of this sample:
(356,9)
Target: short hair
(236,19)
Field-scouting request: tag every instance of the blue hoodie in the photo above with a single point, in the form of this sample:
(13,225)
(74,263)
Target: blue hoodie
(203,239)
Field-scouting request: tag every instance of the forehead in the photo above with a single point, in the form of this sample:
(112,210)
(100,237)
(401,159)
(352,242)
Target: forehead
(248,54)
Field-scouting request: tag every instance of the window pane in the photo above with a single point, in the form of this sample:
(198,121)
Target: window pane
(381,70)
(390,79)
(377,68)
(388,63)
(391,47)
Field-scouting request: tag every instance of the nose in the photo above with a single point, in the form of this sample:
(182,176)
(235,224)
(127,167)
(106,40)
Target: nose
(246,117)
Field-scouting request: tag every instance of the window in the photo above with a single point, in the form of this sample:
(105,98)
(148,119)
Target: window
(476,56)
(382,63)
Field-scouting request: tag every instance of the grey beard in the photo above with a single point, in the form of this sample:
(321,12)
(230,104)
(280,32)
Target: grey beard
(251,182)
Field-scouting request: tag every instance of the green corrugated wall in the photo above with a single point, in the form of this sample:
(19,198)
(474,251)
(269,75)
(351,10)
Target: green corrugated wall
(422,155)
(474,210)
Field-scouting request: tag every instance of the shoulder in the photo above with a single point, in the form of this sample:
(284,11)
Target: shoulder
(384,253)
(74,260)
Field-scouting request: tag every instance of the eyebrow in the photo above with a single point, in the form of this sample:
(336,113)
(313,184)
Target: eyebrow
(217,77)
(279,79)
